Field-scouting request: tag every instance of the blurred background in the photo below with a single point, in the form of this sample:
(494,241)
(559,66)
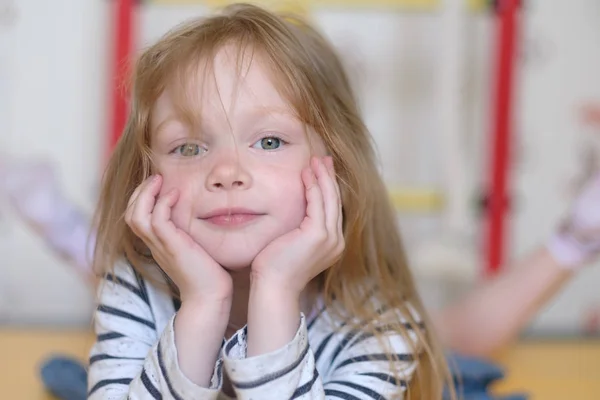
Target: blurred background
(426,76)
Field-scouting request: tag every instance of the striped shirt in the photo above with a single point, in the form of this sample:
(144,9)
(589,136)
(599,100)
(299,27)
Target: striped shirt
(135,357)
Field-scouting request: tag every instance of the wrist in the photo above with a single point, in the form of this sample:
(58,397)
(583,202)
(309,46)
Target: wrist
(268,303)
(275,301)
(208,311)
(217,297)
(274,290)
(199,328)
(275,285)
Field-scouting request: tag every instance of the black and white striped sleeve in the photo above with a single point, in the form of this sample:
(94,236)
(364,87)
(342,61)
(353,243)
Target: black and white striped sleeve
(366,367)
(358,367)
(130,358)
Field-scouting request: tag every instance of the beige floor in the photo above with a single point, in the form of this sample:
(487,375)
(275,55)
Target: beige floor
(553,370)
(545,370)
(22,351)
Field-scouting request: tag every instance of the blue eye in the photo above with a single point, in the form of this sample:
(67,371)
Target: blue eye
(188,150)
(269,143)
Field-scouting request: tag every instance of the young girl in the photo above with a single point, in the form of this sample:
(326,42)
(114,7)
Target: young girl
(243,202)
(36,198)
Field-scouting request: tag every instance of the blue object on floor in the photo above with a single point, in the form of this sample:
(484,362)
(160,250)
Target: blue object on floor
(472,377)
(65,378)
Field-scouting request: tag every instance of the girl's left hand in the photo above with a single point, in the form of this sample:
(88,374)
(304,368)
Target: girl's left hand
(291,261)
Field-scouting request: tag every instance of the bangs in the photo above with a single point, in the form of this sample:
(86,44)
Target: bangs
(183,63)
(193,77)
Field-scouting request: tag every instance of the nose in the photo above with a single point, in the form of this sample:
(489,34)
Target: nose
(228,173)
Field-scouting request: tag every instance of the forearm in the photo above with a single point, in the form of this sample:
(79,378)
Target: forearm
(273,318)
(494,314)
(199,332)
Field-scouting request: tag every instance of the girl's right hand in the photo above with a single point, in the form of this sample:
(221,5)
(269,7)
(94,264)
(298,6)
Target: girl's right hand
(196,274)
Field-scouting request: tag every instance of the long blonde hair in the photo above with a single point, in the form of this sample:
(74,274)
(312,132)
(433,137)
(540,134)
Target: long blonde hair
(311,77)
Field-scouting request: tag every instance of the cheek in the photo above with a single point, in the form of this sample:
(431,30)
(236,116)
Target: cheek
(291,197)
(175,174)
(171,180)
(183,178)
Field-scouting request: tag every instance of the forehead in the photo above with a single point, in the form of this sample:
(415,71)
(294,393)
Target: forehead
(234,83)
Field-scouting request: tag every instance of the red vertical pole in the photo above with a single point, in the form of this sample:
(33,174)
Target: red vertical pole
(122,50)
(501,143)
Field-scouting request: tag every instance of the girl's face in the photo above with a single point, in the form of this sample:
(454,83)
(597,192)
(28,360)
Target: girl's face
(239,177)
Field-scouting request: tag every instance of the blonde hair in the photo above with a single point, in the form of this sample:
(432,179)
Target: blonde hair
(309,74)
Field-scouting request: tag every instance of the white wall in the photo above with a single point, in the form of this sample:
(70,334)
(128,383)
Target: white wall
(53,97)
(54,75)
(560,72)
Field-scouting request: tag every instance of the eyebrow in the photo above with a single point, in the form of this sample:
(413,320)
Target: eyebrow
(262,112)
(258,112)
(169,120)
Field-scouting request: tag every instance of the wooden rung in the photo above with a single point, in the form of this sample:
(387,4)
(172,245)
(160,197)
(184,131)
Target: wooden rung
(417,200)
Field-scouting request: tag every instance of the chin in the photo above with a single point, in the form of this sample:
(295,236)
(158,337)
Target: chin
(234,262)
(235,251)
(233,255)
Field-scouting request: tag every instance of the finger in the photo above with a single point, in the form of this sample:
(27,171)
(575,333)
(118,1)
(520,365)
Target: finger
(328,161)
(330,196)
(140,187)
(331,170)
(134,196)
(314,198)
(131,202)
(162,225)
(143,206)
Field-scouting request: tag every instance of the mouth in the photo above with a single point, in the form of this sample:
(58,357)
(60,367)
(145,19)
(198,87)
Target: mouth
(231,217)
